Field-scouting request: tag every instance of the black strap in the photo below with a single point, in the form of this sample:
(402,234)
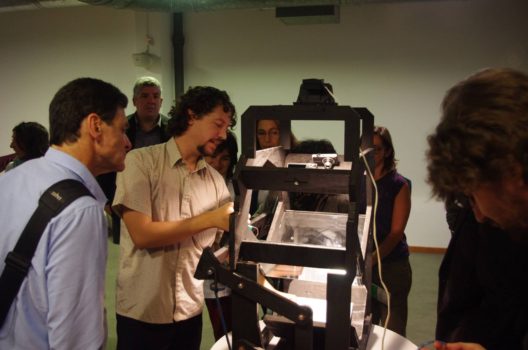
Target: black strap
(17,263)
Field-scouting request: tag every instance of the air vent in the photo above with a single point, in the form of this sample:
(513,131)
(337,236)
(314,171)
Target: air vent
(15,5)
(308,14)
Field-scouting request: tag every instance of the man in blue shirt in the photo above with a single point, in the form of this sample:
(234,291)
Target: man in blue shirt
(60,303)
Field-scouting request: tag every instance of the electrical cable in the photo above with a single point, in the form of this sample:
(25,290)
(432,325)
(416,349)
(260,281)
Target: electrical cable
(254,230)
(330,93)
(369,172)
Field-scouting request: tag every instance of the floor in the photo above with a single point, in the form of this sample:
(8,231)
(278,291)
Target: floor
(422,300)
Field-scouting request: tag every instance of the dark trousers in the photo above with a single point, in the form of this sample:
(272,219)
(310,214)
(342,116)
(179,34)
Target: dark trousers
(397,276)
(136,335)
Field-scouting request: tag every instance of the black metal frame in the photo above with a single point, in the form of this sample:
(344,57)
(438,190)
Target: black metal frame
(241,278)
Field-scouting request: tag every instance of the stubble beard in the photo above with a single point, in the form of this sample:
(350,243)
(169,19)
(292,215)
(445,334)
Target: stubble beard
(203,152)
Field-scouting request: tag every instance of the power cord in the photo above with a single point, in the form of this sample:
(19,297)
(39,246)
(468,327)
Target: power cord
(220,310)
(369,172)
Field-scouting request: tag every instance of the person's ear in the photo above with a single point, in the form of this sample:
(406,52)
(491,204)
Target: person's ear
(94,125)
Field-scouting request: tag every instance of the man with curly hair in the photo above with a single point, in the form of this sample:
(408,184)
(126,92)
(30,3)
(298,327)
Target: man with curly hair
(478,155)
(172,204)
(480,147)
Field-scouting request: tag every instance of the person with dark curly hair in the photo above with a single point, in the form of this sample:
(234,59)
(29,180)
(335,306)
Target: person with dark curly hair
(480,148)
(30,140)
(172,205)
(478,155)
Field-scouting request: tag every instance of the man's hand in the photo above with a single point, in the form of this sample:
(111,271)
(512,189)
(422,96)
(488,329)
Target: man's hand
(457,346)
(146,233)
(221,216)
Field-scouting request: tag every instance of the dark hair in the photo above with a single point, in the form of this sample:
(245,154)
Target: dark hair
(229,144)
(313,146)
(389,162)
(32,138)
(293,139)
(483,133)
(310,201)
(277,122)
(75,101)
(201,100)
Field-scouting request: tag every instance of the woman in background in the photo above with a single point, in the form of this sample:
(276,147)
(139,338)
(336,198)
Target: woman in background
(29,140)
(268,133)
(224,161)
(394,206)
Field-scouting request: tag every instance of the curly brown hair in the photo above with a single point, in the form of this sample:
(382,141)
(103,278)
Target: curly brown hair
(483,134)
(201,100)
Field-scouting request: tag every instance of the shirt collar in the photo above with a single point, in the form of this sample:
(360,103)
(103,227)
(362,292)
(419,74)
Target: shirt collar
(175,155)
(79,170)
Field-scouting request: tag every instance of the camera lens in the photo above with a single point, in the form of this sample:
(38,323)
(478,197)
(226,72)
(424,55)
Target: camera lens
(328,163)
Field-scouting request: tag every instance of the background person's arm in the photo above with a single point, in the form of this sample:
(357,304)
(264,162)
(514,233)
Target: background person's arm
(400,215)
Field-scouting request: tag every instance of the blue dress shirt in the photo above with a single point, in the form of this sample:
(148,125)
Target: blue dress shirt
(60,303)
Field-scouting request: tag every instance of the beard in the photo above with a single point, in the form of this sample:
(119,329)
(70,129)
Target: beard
(203,151)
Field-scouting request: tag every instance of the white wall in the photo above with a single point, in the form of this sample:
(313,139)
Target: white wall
(41,50)
(395,59)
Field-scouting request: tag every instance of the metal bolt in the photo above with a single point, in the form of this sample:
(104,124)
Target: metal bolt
(296,183)
(210,272)
(240,285)
(301,317)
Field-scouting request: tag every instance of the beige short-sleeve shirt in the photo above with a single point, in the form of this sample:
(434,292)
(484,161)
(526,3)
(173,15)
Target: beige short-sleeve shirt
(158,285)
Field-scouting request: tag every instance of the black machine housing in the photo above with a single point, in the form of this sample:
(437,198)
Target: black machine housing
(293,322)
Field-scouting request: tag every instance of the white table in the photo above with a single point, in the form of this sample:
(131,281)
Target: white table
(393,341)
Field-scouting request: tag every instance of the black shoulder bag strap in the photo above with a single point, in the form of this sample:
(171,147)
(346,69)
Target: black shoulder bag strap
(17,263)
